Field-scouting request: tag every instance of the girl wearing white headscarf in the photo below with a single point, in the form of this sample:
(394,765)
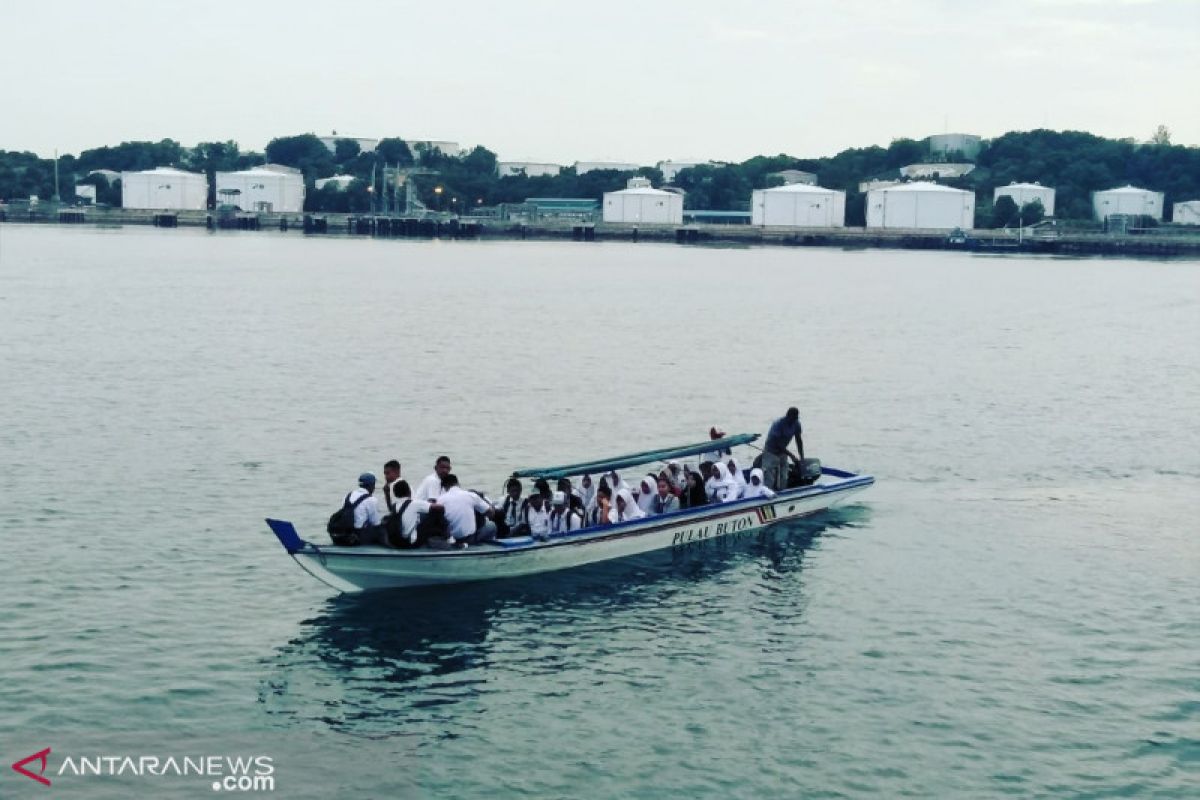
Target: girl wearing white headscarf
(625,508)
(735,472)
(587,491)
(756,487)
(615,483)
(646,491)
(721,488)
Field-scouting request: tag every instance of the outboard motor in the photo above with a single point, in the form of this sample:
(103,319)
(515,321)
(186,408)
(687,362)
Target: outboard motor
(805,473)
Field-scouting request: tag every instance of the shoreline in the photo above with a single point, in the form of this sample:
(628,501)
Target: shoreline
(1159,242)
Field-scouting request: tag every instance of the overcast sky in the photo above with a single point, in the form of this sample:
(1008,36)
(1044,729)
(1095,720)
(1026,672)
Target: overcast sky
(564,81)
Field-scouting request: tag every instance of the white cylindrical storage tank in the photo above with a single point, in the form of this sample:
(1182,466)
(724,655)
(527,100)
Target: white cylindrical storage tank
(1128,200)
(643,204)
(263,190)
(920,205)
(164,188)
(1186,213)
(1022,193)
(798,205)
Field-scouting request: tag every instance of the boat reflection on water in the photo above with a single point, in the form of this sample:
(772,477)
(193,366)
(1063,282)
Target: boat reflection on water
(381,663)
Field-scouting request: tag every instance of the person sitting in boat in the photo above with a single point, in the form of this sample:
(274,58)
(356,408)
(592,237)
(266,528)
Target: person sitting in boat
(459,507)
(368,523)
(577,507)
(537,516)
(405,517)
(720,487)
(542,487)
(646,491)
(391,474)
(675,476)
(775,452)
(735,472)
(599,511)
(756,487)
(587,491)
(564,517)
(625,508)
(508,520)
(664,501)
(694,494)
(431,487)
(615,483)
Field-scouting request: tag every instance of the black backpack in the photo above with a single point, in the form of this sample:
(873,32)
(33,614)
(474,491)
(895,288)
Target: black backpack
(395,525)
(341,522)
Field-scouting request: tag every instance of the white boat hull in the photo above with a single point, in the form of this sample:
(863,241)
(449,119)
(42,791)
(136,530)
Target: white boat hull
(354,569)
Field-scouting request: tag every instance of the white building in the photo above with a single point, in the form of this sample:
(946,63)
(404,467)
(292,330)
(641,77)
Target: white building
(280,168)
(1186,213)
(1022,193)
(109,175)
(259,189)
(936,170)
(641,203)
(530,169)
(164,188)
(948,143)
(448,148)
(584,167)
(87,193)
(670,169)
(790,176)
(920,205)
(1128,200)
(798,205)
(877,183)
(340,182)
(365,145)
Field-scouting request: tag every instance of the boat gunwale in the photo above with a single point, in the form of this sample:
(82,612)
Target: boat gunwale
(597,533)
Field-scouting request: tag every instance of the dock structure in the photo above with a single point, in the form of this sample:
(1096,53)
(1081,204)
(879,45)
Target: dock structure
(1166,240)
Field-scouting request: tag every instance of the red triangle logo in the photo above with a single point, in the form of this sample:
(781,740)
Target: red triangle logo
(41,756)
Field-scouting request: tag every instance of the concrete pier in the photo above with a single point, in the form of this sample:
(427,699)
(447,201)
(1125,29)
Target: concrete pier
(1164,241)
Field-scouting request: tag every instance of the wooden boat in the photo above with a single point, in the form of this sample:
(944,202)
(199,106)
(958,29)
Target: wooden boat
(354,569)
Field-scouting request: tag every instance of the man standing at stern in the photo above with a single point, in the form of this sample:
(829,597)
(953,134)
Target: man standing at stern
(775,452)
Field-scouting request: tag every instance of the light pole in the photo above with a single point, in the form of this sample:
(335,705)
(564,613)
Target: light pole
(437,193)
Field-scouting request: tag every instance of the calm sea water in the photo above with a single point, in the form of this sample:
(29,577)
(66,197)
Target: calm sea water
(1013,610)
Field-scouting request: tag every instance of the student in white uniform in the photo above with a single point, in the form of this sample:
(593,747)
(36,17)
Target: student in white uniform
(460,506)
(564,517)
(646,491)
(368,522)
(756,487)
(625,508)
(406,514)
(664,501)
(431,487)
(720,487)
(391,474)
(587,490)
(537,517)
(509,512)
(735,472)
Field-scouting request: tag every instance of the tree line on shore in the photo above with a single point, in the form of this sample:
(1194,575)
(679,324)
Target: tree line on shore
(1074,163)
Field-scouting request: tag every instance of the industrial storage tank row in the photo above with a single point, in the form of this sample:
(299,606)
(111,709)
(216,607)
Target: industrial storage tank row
(270,189)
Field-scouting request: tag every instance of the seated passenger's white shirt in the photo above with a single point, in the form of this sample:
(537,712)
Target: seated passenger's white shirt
(430,488)
(539,521)
(461,506)
(757,491)
(412,515)
(367,512)
(564,521)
